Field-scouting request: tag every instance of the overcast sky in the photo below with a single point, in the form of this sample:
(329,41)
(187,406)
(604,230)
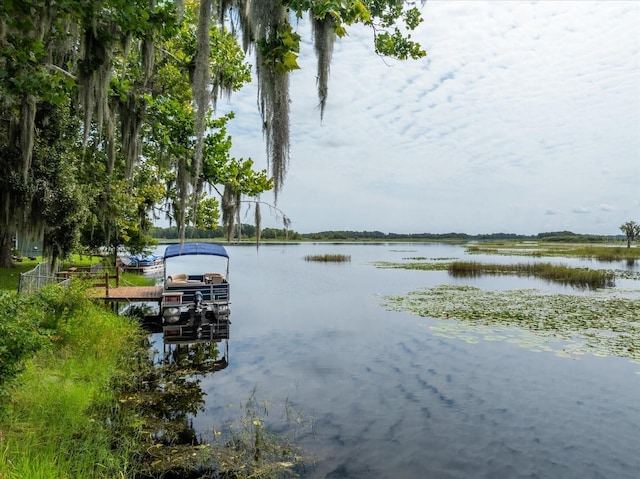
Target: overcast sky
(523,118)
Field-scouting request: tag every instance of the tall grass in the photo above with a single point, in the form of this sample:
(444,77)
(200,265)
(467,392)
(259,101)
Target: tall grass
(581,277)
(573,250)
(328,258)
(62,413)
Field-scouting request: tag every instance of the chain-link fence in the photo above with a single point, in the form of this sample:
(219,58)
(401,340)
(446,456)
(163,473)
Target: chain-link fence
(39,277)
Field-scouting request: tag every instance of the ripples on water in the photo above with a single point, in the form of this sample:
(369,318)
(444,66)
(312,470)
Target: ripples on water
(392,400)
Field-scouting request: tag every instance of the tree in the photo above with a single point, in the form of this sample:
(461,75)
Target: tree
(137,81)
(266,27)
(631,230)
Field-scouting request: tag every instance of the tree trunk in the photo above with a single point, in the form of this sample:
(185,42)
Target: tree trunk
(628,242)
(6,259)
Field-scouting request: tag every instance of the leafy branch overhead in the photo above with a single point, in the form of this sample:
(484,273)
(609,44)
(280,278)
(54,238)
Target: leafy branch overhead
(111,105)
(278,48)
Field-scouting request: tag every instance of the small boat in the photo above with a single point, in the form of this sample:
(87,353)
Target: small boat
(145,264)
(195,307)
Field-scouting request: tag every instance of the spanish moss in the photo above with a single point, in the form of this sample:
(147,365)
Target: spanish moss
(182,185)
(273,89)
(323,39)
(130,124)
(261,20)
(258,223)
(27,132)
(201,79)
(230,208)
(178,5)
(94,76)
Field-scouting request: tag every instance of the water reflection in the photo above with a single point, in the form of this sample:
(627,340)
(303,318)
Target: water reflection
(169,394)
(391,398)
(196,357)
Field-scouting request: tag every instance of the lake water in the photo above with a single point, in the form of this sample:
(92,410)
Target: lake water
(391,399)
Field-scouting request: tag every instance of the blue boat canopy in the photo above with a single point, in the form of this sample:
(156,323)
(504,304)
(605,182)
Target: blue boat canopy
(211,249)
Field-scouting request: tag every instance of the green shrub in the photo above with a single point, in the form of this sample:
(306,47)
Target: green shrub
(20,336)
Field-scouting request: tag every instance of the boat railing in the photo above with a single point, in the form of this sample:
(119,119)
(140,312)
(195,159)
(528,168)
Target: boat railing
(210,292)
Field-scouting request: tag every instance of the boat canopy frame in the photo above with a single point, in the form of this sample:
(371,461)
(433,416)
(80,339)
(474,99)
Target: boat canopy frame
(184,249)
(211,249)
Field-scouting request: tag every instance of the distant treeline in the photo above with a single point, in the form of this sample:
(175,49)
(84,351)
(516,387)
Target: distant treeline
(555,236)
(249,231)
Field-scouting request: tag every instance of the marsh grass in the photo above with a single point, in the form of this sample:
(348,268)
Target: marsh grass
(580,277)
(571,250)
(328,258)
(415,265)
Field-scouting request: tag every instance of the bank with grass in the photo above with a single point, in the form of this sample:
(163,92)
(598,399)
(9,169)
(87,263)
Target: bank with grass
(82,397)
(59,414)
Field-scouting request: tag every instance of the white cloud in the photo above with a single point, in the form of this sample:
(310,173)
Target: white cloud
(519,110)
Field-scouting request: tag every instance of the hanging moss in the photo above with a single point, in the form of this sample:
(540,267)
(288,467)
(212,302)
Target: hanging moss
(94,76)
(230,208)
(262,20)
(323,40)
(201,80)
(131,118)
(258,222)
(27,132)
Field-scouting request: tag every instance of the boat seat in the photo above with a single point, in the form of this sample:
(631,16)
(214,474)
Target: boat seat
(213,278)
(178,278)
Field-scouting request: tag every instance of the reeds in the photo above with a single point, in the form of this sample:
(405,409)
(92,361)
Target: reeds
(581,277)
(328,258)
(541,248)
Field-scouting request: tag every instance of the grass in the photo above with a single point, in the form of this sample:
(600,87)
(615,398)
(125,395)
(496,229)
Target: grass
(90,403)
(10,277)
(581,277)
(571,250)
(62,417)
(328,258)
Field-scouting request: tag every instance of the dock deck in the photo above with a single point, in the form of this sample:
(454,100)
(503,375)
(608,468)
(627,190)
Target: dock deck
(129,293)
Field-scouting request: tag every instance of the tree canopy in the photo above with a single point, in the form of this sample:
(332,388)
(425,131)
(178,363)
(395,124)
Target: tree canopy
(107,108)
(631,230)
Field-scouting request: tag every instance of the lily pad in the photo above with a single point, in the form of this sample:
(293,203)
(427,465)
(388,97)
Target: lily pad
(567,324)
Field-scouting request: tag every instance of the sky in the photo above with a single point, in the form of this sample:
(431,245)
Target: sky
(523,118)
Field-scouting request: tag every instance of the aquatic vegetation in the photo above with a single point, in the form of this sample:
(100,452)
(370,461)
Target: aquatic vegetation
(571,250)
(424,258)
(579,324)
(423,266)
(328,258)
(582,277)
(247,447)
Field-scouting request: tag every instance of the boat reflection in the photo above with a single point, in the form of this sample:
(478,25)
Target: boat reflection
(174,396)
(196,356)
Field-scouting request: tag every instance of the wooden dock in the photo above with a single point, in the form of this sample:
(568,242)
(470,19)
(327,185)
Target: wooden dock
(131,294)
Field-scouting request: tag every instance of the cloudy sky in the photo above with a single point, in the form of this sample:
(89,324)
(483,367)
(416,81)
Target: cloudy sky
(524,117)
